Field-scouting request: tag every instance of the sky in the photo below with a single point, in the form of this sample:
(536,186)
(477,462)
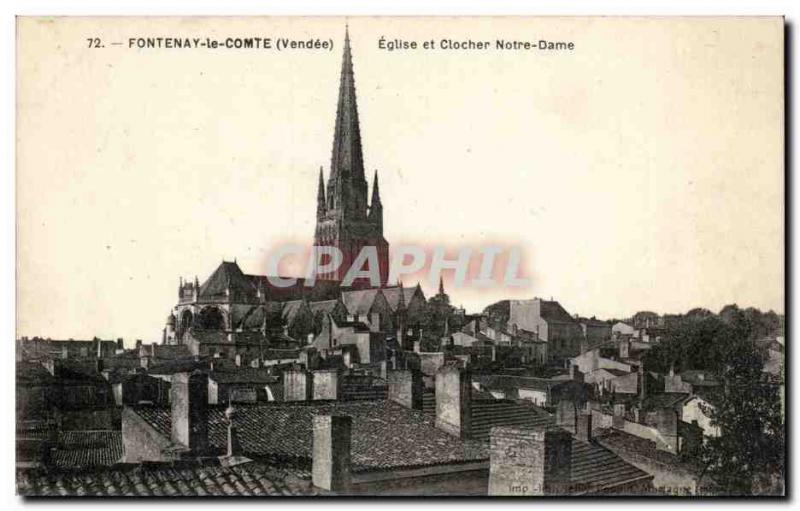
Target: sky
(642,170)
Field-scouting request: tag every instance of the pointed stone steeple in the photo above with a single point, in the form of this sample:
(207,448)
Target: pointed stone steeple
(345,219)
(347,187)
(441,285)
(320,196)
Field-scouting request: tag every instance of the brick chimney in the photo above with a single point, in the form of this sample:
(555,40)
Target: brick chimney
(667,426)
(330,465)
(405,388)
(453,414)
(529,461)
(583,427)
(326,384)
(189,399)
(297,385)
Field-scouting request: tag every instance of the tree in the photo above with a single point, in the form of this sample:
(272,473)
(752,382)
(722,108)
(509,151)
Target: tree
(748,457)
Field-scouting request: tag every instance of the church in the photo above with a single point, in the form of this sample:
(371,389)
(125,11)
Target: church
(237,314)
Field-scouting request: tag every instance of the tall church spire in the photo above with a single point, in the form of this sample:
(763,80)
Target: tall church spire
(347,187)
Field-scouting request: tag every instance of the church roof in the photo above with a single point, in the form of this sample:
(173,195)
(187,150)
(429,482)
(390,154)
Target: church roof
(323,307)
(392,295)
(227,274)
(291,309)
(359,302)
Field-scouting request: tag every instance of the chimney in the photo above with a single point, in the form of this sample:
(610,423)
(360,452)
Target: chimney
(642,383)
(583,426)
(138,344)
(326,384)
(296,385)
(529,461)
(667,427)
(575,373)
(330,459)
(405,388)
(624,348)
(566,415)
(189,398)
(453,414)
(234,445)
(120,344)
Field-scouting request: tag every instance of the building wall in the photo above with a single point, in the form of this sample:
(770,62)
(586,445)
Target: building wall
(692,412)
(140,441)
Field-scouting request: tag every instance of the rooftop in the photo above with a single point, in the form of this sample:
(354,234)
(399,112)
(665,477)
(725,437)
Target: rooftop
(184,479)
(84,449)
(385,434)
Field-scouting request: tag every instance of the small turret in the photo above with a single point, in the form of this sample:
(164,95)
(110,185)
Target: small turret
(375,206)
(321,196)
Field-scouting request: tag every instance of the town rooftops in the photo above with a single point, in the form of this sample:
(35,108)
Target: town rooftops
(84,449)
(385,434)
(191,478)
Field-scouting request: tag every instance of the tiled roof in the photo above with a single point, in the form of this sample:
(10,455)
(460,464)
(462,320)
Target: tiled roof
(290,310)
(183,479)
(180,365)
(227,274)
(663,400)
(500,381)
(33,374)
(392,295)
(323,307)
(553,311)
(502,412)
(281,354)
(619,441)
(171,350)
(385,434)
(359,302)
(243,375)
(83,449)
(595,467)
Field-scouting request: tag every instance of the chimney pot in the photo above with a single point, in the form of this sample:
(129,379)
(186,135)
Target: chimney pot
(453,396)
(529,461)
(330,466)
(326,384)
(297,385)
(405,388)
(189,399)
(584,427)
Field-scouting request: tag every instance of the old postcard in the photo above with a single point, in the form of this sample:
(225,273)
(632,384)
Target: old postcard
(262,256)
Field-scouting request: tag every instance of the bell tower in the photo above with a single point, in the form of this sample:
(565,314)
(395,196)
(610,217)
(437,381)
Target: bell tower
(344,218)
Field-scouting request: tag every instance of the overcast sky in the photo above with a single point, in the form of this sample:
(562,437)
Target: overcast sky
(642,170)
